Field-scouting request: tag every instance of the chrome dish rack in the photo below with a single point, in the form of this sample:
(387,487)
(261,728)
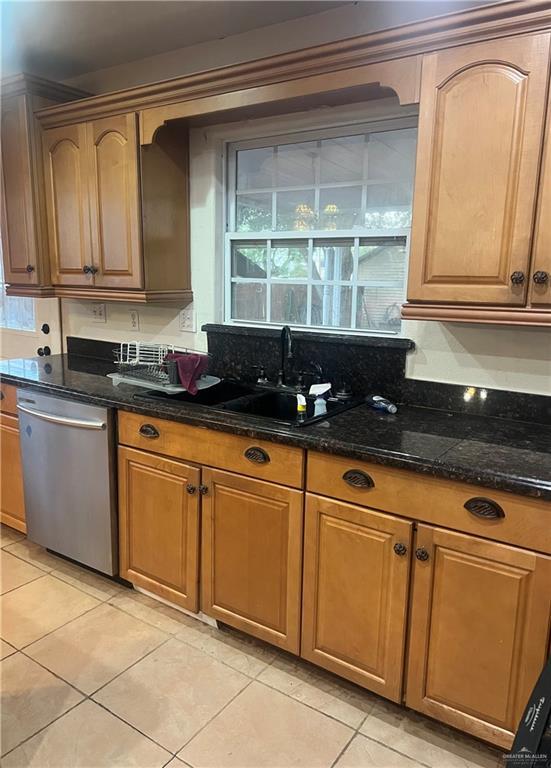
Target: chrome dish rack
(142,364)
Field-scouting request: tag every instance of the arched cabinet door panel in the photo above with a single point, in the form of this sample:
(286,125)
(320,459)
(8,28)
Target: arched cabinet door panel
(18,229)
(540,273)
(115,202)
(480,135)
(67,205)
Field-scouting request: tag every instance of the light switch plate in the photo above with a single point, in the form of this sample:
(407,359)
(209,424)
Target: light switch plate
(98,313)
(187,320)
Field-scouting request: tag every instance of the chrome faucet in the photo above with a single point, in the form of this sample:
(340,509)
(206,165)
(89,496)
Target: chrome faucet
(286,354)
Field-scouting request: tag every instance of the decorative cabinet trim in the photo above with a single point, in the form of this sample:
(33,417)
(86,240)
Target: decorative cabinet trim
(407,40)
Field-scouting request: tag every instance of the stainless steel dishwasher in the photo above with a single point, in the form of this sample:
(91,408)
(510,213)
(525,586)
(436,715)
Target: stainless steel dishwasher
(68,453)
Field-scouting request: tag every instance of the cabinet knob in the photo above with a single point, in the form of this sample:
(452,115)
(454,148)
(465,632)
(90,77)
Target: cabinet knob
(488,509)
(257,455)
(400,549)
(29,268)
(203,489)
(148,430)
(357,478)
(517,278)
(86,269)
(421,554)
(190,488)
(93,270)
(540,277)
(44,351)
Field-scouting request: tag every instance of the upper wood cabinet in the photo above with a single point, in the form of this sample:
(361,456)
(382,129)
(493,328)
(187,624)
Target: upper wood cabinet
(481,124)
(118,214)
(251,560)
(67,201)
(24,240)
(354,595)
(114,202)
(479,631)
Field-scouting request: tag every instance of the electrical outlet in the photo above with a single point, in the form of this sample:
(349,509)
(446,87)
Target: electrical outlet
(98,313)
(134,320)
(187,320)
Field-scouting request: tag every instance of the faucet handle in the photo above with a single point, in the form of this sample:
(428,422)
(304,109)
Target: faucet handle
(262,378)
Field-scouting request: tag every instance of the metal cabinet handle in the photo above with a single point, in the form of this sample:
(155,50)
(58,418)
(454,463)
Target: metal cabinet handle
(190,488)
(517,278)
(203,489)
(2,395)
(257,455)
(540,277)
(148,430)
(400,549)
(488,509)
(29,268)
(357,478)
(421,554)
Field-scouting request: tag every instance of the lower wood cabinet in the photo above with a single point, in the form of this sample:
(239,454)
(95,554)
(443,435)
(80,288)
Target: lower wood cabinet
(479,631)
(12,502)
(251,567)
(159,525)
(355,591)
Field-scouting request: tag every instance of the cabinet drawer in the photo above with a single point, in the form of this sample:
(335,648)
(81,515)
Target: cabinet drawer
(8,399)
(245,455)
(524,522)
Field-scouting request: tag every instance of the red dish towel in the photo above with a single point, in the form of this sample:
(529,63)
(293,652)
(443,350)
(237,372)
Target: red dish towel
(190,368)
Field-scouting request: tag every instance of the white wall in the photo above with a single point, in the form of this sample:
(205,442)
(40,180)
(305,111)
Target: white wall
(479,355)
(350,20)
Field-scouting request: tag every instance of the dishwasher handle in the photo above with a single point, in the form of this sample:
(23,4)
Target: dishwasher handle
(63,420)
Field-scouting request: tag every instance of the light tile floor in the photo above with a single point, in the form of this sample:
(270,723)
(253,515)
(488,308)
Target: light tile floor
(94,674)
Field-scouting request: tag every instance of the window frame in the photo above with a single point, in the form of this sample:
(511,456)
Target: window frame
(357,235)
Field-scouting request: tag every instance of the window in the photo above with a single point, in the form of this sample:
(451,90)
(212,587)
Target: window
(318,228)
(16,313)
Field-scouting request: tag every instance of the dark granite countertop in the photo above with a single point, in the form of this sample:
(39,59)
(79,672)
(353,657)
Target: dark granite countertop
(496,453)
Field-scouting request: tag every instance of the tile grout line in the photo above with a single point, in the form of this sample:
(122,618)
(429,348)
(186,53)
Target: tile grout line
(104,685)
(343,750)
(28,738)
(133,727)
(54,571)
(14,589)
(202,728)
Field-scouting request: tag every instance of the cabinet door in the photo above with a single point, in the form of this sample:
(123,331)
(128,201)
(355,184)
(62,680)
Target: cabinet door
(19,244)
(159,525)
(479,631)
(355,593)
(12,502)
(540,277)
(252,556)
(67,203)
(115,202)
(480,132)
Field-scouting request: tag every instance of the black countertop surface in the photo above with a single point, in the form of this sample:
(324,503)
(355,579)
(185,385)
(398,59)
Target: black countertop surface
(494,453)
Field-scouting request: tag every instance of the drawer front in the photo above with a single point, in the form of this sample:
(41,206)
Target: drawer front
(8,399)
(498,515)
(247,456)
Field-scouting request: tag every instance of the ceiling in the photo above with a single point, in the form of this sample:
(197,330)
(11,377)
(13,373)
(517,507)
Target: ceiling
(61,39)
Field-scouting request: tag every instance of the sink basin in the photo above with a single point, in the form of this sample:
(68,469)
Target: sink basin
(282,407)
(233,396)
(219,393)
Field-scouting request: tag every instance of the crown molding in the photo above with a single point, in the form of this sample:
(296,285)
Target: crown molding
(491,21)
